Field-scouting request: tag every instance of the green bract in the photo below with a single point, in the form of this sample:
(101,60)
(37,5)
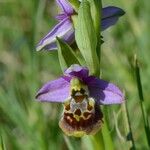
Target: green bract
(86,39)
(66,55)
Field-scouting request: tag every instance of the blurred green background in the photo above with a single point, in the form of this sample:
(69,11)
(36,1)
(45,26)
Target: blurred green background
(26,124)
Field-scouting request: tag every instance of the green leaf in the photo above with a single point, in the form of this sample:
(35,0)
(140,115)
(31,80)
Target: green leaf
(86,38)
(96,6)
(66,55)
(107,137)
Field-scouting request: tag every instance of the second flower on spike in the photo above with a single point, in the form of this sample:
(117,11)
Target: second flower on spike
(65,28)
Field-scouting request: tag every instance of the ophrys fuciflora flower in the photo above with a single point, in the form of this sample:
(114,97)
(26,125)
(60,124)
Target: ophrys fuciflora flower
(81,96)
(65,28)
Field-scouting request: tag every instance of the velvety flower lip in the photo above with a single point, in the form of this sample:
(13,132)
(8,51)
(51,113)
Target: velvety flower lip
(103,92)
(65,30)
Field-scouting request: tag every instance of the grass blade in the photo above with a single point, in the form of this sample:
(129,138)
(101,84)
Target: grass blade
(127,125)
(2,147)
(140,91)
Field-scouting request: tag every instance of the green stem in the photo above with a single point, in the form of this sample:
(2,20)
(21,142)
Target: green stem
(68,142)
(108,143)
(98,141)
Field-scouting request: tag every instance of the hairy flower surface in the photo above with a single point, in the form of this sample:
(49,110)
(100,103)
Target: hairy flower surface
(65,29)
(81,96)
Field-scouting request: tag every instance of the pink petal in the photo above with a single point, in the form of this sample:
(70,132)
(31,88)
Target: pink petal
(54,91)
(104,92)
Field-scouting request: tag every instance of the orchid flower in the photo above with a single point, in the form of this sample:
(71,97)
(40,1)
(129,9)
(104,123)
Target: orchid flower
(81,95)
(65,29)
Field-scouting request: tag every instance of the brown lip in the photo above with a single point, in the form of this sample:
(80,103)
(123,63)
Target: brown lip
(90,123)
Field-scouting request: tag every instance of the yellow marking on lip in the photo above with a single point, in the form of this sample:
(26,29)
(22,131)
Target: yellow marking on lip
(78,133)
(77,117)
(77,85)
(91,102)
